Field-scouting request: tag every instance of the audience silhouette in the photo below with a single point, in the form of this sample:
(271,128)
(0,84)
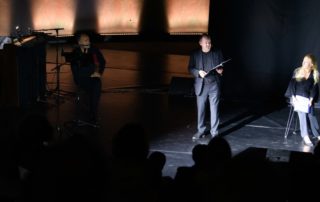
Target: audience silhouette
(35,168)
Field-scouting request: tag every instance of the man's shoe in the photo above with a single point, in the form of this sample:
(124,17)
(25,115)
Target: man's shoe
(197,136)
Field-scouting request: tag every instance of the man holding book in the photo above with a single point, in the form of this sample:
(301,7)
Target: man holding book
(205,65)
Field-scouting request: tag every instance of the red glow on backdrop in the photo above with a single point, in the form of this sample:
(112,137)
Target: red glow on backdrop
(5,17)
(188,15)
(116,16)
(48,14)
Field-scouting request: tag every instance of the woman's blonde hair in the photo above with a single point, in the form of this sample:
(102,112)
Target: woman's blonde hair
(299,74)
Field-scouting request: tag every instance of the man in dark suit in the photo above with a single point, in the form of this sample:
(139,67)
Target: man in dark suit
(204,66)
(87,66)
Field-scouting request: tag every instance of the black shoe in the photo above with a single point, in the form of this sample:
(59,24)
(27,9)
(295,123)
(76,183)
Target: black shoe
(197,136)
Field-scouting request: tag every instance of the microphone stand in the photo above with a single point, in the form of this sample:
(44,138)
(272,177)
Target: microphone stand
(57,89)
(58,67)
(58,125)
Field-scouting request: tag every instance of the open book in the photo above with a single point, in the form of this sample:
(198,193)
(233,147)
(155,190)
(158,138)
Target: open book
(301,104)
(219,65)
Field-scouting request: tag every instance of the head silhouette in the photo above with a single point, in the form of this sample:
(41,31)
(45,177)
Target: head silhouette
(35,129)
(130,143)
(219,150)
(200,154)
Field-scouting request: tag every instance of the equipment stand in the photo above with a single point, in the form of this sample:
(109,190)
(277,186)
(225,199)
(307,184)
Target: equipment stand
(289,122)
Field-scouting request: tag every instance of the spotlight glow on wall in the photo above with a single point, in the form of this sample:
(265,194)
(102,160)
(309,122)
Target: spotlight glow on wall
(5,18)
(113,16)
(48,14)
(188,16)
(119,16)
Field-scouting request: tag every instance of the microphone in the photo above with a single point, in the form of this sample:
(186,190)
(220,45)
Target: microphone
(18,33)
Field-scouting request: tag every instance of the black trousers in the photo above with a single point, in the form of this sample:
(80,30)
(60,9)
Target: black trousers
(89,94)
(211,93)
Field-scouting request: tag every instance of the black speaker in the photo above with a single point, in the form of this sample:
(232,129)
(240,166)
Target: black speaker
(276,155)
(275,174)
(181,86)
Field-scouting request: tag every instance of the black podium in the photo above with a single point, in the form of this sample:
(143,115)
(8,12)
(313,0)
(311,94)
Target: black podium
(23,73)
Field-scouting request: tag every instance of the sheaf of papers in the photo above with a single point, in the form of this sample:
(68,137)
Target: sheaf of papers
(301,104)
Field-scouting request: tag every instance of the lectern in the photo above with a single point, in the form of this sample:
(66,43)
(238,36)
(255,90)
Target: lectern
(23,72)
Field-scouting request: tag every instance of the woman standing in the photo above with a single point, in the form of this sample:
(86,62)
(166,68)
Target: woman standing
(304,84)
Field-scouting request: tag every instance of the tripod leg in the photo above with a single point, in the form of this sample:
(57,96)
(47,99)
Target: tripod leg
(291,115)
(288,121)
(295,125)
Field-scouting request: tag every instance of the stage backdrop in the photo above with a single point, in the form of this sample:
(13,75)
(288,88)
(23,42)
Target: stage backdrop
(266,40)
(5,19)
(105,16)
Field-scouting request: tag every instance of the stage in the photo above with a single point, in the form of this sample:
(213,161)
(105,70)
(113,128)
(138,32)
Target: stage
(170,121)
(129,95)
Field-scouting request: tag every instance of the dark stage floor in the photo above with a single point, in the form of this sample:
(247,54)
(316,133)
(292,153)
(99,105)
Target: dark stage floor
(170,120)
(170,123)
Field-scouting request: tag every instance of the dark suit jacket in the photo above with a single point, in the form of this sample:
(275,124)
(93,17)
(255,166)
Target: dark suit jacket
(305,88)
(83,65)
(196,64)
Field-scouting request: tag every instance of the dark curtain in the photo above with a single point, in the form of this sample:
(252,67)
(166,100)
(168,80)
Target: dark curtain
(266,40)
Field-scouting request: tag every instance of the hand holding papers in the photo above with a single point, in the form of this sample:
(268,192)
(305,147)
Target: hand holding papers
(202,73)
(301,104)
